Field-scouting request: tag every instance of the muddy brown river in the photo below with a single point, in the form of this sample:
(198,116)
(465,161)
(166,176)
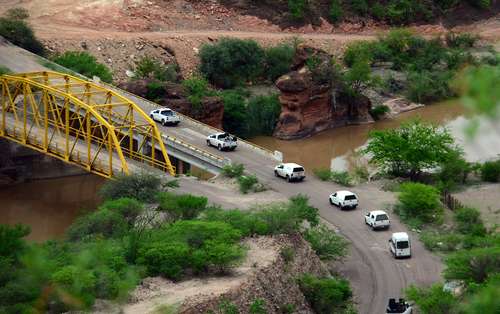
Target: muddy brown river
(50,206)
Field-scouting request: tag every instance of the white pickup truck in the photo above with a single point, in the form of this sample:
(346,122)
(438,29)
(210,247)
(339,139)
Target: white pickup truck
(223,141)
(165,116)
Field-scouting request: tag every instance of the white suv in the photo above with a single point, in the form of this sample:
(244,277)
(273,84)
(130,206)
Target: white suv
(290,171)
(344,199)
(165,116)
(377,219)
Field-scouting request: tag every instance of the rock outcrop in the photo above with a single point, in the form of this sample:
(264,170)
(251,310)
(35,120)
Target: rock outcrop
(174,96)
(310,101)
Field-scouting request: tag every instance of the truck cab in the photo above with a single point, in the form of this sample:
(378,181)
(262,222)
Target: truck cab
(399,244)
(223,141)
(377,219)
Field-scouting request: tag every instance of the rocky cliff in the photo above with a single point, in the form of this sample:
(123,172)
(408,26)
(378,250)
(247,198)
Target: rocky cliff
(310,100)
(174,96)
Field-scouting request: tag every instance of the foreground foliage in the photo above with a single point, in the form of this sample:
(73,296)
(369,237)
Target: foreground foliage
(85,64)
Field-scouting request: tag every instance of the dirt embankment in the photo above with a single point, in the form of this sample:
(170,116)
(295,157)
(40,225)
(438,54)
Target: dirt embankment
(264,274)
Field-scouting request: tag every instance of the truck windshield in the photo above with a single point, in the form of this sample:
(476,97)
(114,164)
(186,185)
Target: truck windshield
(298,169)
(167,113)
(402,244)
(381,217)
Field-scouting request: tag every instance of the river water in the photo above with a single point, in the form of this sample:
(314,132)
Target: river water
(336,148)
(50,206)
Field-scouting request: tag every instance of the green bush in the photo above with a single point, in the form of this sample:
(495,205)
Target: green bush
(258,306)
(358,51)
(420,201)
(262,115)
(464,40)
(378,11)
(4,70)
(425,87)
(103,222)
(278,60)
(325,295)
(235,112)
(196,88)
(247,182)
(378,111)
(140,186)
(128,208)
(342,178)
(485,300)
(85,64)
(166,259)
(233,170)
(155,91)
(336,11)
(469,221)
(297,8)
(360,7)
(288,254)
(449,242)
(482,4)
(231,62)
(323,174)
(17,14)
(150,68)
(183,207)
(490,171)
(19,33)
(473,266)
(433,300)
(454,171)
(326,244)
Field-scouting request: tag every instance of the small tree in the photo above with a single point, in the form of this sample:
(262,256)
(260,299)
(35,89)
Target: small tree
(420,201)
(141,186)
(85,64)
(21,34)
(326,243)
(473,266)
(149,68)
(278,60)
(325,295)
(411,148)
(433,300)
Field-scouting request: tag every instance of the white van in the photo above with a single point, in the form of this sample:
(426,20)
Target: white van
(399,244)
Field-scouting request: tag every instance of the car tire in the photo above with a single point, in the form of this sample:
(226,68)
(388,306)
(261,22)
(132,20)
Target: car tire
(233,148)
(219,147)
(208,143)
(331,202)
(373,227)
(164,122)
(354,207)
(276,174)
(151,116)
(288,178)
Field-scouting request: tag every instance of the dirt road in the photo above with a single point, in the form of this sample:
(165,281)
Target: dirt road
(374,274)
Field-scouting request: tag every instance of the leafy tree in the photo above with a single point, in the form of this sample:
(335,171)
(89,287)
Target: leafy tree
(455,170)
(469,221)
(141,186)
(85,64)
(336,12)
(421,201)
(433,300)
(278,60)
(297,8)
(231,62)
(326,243)
(183,207)
(235,112)
(490,171)
(473,266)
(486,300)
(411,148)
(103,222)
(196,88)
(128,208)
(150,68)
(19,33)
(262,114)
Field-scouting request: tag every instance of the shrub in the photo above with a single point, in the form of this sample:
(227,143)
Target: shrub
(258,306)
(359,6)
(441,242)
(378,111)
(325,295)
(485,300)
(85,64)
(11,241)
(323,174)
(247,182)
(128,208)
(140,186)
(336,12)
(297,8)
(17,14)
(183,207)
(464,40)
(150,68)
(482,4)
(428,86)
(473,266)
(454,171)
(218,255)
(433,300)
(262,114)
(4,70)
(155,90)
(19,33)
(469,221)
(196,88)
(231,62)
(378,11)
(341,177)
(288,254)
(358,51)
(490,171)
(166,259)
(278,60)
(103,222)
(227,307)
(421,201)
(233,170)
(326,244)
(235,112)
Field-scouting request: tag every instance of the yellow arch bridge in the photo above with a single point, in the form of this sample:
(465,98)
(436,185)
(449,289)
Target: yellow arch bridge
(80,123)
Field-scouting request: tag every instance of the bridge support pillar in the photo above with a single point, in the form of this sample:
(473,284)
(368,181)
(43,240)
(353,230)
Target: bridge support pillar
(180,167)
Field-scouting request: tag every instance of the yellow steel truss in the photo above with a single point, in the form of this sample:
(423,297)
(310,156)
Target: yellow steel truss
(79,122)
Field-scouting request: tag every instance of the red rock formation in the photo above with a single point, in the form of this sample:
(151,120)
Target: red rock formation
(174,96)
(310,103)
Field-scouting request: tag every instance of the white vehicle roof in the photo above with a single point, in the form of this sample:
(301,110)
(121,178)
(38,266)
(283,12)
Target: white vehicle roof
(221,133)
(378,212)
(400,236)
(344,193)
(291,164)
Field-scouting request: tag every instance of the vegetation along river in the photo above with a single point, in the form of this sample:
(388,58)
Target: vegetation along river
(50,206)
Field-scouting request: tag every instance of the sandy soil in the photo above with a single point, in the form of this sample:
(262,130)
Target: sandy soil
(155,292)
(485,198)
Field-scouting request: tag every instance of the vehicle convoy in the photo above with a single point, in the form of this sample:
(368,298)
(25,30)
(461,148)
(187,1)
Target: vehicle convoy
(398,307)
(165,116)
(290,171)
(377,219)
(344,199)
(399,244)
(223,141)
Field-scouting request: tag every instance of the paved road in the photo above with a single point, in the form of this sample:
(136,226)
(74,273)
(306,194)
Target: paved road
(374,274)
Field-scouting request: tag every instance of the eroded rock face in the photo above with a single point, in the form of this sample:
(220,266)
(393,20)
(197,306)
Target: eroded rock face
(174,96)
(310,103)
